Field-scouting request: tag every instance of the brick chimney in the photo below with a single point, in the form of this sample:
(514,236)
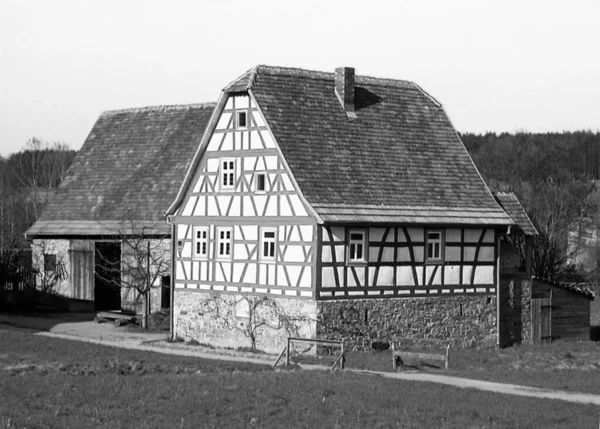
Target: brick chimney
(344,89)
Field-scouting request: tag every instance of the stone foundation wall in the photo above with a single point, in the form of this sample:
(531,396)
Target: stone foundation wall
(465,320)
(220,320)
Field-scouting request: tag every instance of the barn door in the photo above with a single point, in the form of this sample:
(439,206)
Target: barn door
(541,320)
(81,257)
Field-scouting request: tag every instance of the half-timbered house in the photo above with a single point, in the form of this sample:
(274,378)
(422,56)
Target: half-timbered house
(113,200)
(349,201)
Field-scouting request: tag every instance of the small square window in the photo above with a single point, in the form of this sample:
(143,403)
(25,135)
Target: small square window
(260,182)
(242,119)
(357,246)
(49,262)
(433,245)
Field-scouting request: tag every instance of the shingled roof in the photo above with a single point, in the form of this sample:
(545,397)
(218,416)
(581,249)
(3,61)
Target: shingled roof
(127,172)
(400,160)
(511,205)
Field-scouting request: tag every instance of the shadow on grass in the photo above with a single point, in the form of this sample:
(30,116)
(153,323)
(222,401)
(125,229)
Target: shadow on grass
(42,321)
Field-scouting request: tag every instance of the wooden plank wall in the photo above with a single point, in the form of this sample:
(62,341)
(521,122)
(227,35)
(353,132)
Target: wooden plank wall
(81,257)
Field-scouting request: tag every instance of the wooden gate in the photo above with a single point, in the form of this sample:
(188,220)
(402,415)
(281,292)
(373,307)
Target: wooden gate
(541,320)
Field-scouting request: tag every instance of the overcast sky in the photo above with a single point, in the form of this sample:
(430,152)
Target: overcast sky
(495,65)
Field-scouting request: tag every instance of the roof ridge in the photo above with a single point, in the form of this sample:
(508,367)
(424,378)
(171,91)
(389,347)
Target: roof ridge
(322,75)
(159,108)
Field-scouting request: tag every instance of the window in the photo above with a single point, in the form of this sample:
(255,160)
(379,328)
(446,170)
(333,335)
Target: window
(227,174)
(241,119)
(49,262)
(434,245)
(201,242)
(260,182)
(356,246)
(268,244)
(224,243)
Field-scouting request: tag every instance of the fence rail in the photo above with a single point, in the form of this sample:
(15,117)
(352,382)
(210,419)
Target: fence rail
(339,361)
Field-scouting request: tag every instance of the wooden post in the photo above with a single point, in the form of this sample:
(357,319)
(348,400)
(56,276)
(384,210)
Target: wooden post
(343,357)
(447,364)
(287,353)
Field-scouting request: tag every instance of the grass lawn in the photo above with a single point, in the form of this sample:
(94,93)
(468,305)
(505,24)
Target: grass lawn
(571,366)
(52,383)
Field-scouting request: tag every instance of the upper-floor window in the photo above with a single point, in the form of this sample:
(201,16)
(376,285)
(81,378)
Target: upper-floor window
(241,119)
(260,182)
(224,238)
(268,243)
(357,245)
(434,245)
(201,242)
(227,174)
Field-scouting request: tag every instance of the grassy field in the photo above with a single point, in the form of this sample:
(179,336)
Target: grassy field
(52,383)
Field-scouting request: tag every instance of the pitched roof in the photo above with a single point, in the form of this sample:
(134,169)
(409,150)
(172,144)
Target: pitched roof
(576,287)
(129,169)
(400,160)
(511,205)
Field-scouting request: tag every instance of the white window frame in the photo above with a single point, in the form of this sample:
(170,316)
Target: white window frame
(353,244)
(224,247)
(256,175)
(268,240)
(203,230)
(227,174)
(237,119)
(439,255)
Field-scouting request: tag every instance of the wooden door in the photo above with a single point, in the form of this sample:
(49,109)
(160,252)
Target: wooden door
(541,320)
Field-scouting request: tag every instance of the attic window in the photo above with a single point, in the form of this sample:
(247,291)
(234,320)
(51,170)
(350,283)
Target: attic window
(357,245)
(260,182)
(241,119)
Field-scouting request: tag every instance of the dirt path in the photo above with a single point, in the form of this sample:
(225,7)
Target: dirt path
(109,335)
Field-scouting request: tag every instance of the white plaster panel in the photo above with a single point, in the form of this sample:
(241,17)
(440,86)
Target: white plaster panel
(307,232)
(298,206)
(419,271)
(203,271)
(255,141)
(198,184)
(229,103)
(373,253)
(294,273)
(271,206)
(179,271)
(281,277)
(451,274)
(418,251)
(213,143)
(223,122)
(242,102)
(250,232)
(326,254)
(186,250)
(195,270)
(453,234)
(200,209)
(472,235)
(340,253)
(338,232)
(437,279)
(328,277)
(294,253)
(385,276)
(189,206)
(285,208)
(484,275)
(240,251)
(262,274)
(489,236)
(306,280)
(212,165)
(271,162)
(258,119)
(467,274)
(269,142)
(247,207)
(250,276)
(272,271)
(287,182)
(403,254)
(486,254)
(238,268)
(376,234)
(469,253)
(234,210)
(401,236)
(388,254)
(260,201)
(371,274)
(223,201)
(452,253)
(295,235)
(248,164)
(416,234)
(181,231)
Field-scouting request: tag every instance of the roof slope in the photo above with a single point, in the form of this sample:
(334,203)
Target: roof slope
(400,160)
(129,169)
(511,205)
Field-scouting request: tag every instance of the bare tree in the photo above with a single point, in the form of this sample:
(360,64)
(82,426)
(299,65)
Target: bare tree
(49,266)
(145,259)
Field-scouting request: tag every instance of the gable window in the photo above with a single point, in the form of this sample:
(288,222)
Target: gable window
(224,236)
(268,242)
(260,182)
(201,242)
(227,174)
(433,246)
(357,245)
(49,262)
(241,119)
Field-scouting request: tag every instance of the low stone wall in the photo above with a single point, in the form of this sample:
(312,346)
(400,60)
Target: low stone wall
(223,320)
(465,320)
(515,309)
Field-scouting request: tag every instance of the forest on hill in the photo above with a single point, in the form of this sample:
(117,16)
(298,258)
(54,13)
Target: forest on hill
(555,176)
(27,180)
